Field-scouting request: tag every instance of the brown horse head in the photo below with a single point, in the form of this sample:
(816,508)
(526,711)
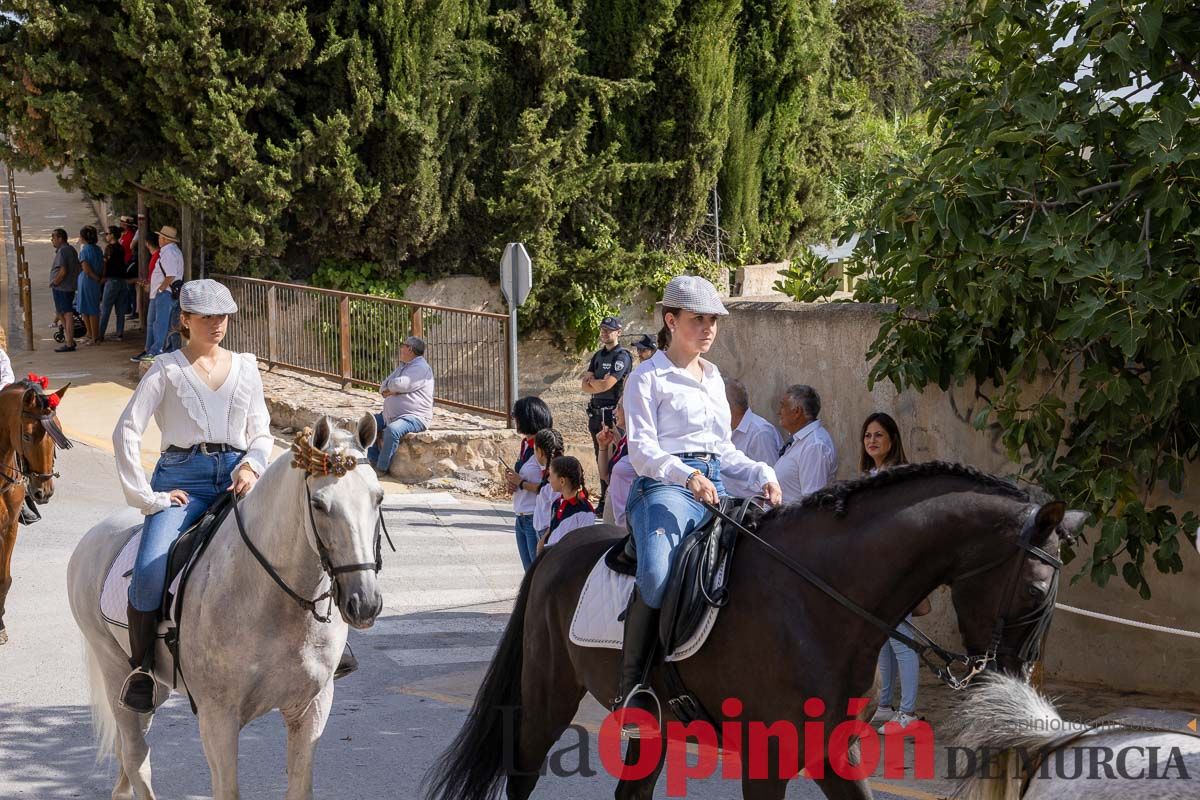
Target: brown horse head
(31,430)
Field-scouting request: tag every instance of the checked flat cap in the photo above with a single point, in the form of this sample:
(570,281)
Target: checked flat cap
(206,296)
(693,293)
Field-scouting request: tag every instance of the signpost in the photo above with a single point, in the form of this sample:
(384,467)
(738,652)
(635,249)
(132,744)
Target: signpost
(516,279)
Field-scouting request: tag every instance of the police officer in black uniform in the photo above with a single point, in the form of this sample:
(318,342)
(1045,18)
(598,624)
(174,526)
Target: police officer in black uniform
(605,378)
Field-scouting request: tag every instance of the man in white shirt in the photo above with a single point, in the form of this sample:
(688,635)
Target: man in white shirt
(163,306)
(753,435)
(407,402)
(808,461)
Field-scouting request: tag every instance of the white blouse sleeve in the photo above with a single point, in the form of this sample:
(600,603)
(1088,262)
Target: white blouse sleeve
(258,420)
(6,372)
(641,425)
(127,443)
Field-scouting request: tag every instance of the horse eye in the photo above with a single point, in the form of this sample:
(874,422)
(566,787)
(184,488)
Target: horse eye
(320,506)
(1036,592)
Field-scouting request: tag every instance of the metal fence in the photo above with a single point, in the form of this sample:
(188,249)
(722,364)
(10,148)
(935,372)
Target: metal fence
(356,338)
(23,282)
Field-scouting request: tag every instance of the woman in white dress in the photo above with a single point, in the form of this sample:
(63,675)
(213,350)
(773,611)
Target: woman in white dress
(208,403)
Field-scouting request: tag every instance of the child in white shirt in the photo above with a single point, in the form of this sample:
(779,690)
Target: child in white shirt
(548,445)
(572,510)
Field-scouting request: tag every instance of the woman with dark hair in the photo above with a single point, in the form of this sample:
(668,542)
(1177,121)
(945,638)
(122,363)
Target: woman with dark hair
(113,285)
(881,444)
(92,261)
(524,478)
(882,448)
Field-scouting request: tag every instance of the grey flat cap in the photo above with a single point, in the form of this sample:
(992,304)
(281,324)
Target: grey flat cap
(206,296)
(693,293)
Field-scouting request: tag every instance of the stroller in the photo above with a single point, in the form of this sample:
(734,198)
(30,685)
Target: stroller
(77,327)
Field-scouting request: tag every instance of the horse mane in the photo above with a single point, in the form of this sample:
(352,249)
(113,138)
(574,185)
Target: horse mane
(837,495)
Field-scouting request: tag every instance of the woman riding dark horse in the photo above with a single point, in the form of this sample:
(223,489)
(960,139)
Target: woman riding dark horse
(29,434)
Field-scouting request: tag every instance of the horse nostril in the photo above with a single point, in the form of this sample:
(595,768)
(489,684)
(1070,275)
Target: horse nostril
(354,605)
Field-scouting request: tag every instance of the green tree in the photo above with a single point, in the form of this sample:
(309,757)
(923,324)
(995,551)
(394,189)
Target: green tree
(1046,247)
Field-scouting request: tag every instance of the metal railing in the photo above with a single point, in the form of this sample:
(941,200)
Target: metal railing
(356,338)
(23,281)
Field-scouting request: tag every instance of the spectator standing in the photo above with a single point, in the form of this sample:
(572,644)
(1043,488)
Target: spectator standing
(547,446)
(129,241)
(808,460)
(407,403)
(524,478)
(113,290)
(151,269)
(163,305)
(572,510)
(646,347)
(91,260)
(64,278)
(6,370)
(605,377)
(753,435)
(882,448)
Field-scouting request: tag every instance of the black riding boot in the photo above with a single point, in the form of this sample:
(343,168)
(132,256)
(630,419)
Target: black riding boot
(637,658)
(347,665)
(138,692)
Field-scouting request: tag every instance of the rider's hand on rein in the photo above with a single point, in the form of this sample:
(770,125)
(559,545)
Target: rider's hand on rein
(243,480)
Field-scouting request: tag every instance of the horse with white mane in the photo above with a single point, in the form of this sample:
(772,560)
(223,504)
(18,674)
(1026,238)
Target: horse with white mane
(248,647)
(1029,752)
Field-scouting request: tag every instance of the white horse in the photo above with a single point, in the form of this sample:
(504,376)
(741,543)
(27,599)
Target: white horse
(246,646)
(1036,755)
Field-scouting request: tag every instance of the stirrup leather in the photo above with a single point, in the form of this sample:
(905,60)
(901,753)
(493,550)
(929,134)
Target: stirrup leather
(156,700)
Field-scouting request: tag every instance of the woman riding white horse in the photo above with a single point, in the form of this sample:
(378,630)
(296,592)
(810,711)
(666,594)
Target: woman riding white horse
(679,440)
(208,403)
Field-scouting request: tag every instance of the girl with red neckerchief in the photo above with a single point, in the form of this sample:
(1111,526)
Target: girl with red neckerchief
(572,510)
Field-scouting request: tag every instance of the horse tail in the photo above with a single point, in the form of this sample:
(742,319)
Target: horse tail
(104,724)
(473,767)
(1009,718)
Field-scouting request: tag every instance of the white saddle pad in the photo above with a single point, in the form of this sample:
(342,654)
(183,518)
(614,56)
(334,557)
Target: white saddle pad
(114,597)
(605,597)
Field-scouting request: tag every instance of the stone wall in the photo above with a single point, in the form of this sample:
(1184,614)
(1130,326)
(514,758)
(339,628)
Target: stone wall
(771,345)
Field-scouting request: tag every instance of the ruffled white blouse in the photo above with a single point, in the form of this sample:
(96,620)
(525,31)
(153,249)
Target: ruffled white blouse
(188,412)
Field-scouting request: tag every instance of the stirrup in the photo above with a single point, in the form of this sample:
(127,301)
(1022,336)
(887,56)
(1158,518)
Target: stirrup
(154,698)
(630,730)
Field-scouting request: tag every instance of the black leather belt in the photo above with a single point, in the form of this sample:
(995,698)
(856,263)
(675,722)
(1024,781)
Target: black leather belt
(205,448)
(697,456)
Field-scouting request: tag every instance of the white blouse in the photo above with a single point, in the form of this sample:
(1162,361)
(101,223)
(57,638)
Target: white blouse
(667,411)
(188,412)
(541,513)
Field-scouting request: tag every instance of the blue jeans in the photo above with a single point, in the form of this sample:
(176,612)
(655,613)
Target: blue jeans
(660,516)
(391,435)
(526,540)
(158,321)
(204,478)
(897,657)
(113,299)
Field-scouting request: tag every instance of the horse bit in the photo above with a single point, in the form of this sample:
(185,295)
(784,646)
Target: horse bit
(316,463)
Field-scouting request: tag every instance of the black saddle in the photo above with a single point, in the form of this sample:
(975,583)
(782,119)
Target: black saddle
(692,587)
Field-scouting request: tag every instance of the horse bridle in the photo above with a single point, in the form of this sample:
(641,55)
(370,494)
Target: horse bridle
(21,471)
(317,463)
(940,660)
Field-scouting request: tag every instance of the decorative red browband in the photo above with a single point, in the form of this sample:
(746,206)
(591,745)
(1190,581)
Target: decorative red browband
(44,383)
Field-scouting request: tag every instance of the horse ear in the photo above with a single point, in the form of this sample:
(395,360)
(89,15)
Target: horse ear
(367,431)
(1073,522)
(61,392)
(1047,519)
(322,432)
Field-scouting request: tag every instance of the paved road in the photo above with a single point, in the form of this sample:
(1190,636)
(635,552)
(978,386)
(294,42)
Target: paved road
(448,593)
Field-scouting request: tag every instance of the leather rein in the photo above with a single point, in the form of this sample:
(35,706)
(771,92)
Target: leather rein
(317,463)
(940,660)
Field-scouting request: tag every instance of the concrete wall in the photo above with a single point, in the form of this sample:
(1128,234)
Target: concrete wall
(770,345)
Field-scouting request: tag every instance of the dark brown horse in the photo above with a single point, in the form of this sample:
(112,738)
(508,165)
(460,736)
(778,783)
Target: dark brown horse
(883,542)
(29,434)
